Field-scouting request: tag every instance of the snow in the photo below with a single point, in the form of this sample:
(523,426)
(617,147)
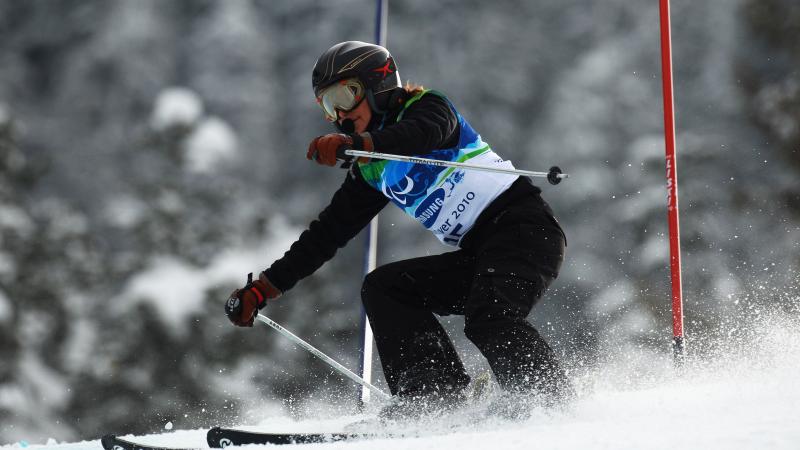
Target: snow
(211,142)
(744,397)
(176,106)
(176,288)
(772,103)
(613,297)
(14,218)
(167,280)
(45,386)
(125,211)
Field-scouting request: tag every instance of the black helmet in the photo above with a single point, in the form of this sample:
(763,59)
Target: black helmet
(372,64)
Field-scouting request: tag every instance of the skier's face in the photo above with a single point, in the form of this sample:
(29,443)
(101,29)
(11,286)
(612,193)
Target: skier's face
(360,115)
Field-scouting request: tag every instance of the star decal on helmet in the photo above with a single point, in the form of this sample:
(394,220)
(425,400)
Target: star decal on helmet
(385,70)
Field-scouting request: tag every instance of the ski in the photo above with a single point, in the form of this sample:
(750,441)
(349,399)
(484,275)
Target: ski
(224,437)
(112,442)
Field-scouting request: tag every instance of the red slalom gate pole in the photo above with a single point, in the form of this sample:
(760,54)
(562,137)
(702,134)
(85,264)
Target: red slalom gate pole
(678,343)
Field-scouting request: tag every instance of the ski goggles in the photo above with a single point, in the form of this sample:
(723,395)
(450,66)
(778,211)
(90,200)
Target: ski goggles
(343,95)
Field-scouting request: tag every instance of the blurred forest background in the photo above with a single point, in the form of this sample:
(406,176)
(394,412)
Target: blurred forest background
(152,153)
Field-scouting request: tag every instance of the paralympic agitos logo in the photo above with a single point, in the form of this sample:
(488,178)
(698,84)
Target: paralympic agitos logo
(406,187)
(412,187)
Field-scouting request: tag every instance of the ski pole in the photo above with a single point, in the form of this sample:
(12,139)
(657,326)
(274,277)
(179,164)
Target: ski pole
(327,359)
(554,176)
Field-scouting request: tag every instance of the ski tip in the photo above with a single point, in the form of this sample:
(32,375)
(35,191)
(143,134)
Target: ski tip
(108,441)
(213,438)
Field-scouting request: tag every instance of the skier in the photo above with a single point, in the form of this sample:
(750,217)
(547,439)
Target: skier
(510,247)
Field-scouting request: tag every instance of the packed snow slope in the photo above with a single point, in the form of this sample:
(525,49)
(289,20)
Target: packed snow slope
(742,395)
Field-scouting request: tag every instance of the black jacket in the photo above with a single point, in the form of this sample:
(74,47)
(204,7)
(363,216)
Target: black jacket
(427,124)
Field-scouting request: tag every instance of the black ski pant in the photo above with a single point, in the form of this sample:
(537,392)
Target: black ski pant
(494,283)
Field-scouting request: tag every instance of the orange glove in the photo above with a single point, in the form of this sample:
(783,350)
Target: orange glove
(244,303)
(330,149)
